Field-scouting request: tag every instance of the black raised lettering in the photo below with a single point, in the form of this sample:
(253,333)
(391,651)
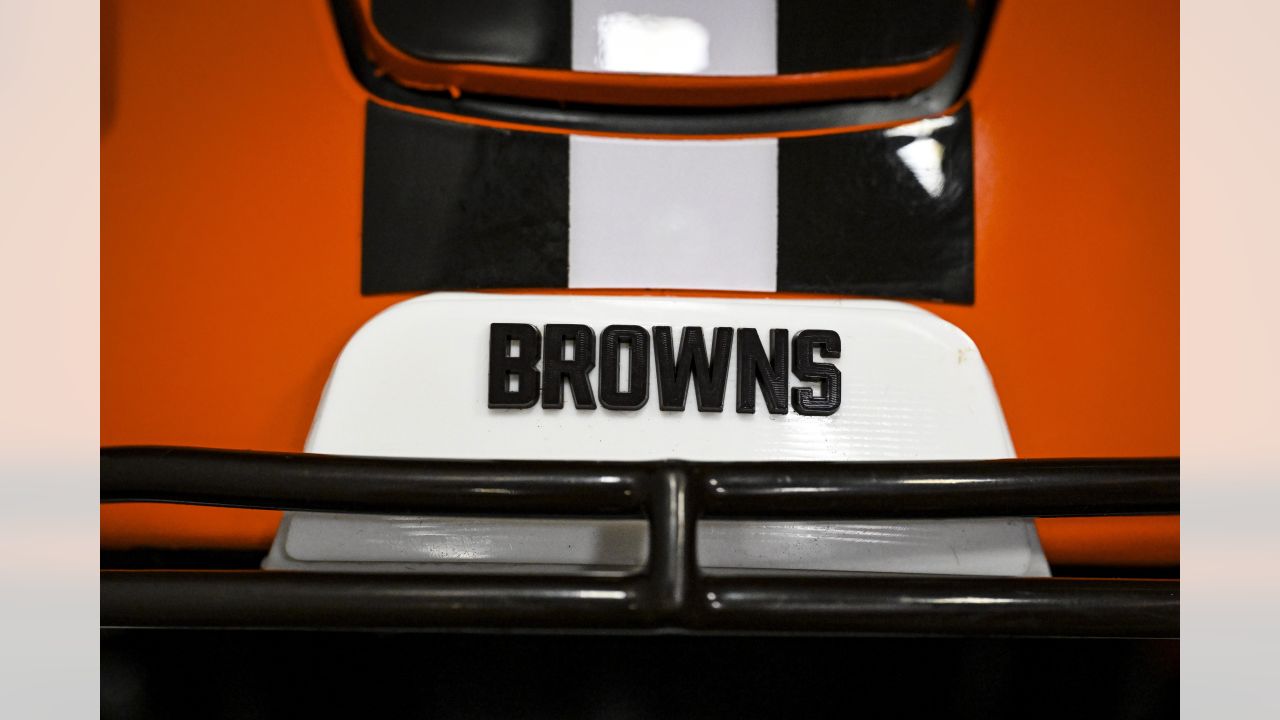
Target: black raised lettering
(802,398)
(770,372)
(709,378)
(555,368)
(523,366)
(612,339)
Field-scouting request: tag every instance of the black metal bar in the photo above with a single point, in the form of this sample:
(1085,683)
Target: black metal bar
(332,483)
(673,553)
(672,594)
(262,599)
(893,605)
(858,490)
(1039,488)
(930,605)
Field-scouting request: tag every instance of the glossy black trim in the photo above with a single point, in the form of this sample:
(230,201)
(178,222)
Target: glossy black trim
(824,35)
(811,35)
(532,33)
(678,121)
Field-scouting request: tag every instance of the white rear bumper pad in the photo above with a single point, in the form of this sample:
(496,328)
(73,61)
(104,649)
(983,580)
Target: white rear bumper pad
(412,383)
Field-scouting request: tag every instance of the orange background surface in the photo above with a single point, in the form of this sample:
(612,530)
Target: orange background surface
(231,189)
